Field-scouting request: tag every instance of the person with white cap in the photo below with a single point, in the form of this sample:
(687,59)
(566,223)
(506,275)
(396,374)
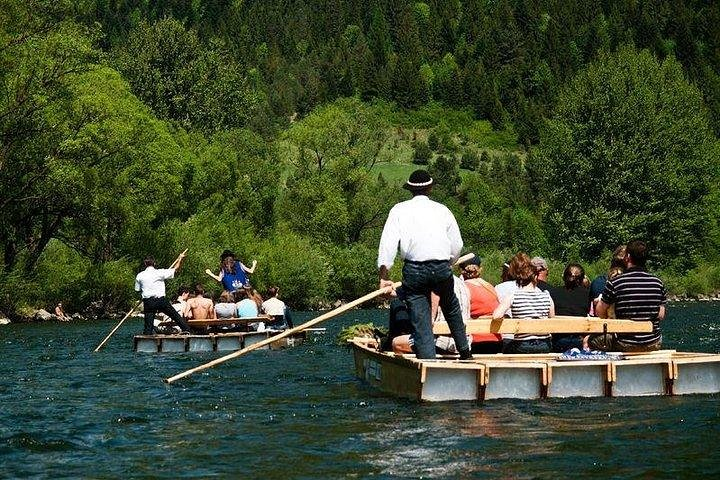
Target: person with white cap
(429,241)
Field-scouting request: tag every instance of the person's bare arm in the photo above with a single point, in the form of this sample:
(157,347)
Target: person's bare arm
(552,308)
(251,269)
(216,277)
(661,313)
(501,309)
(601,309)
(384,274)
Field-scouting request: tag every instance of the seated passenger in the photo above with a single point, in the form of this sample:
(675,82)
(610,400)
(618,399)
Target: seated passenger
(277,309)
(507,286)
(225,308)
(637,295)
(572,300)
(199,307)
(617,264)
(245,307)
(527,301)
(483,301)
(164,324)
(444,345)
(255,297)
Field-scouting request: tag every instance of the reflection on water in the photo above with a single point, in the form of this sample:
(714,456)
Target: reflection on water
(66,412)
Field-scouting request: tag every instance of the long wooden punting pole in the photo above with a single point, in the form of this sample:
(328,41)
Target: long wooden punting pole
(174,264)
(286,333)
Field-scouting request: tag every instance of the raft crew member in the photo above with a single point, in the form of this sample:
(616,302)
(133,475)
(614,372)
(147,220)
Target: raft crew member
(429,240)
(151,283)
(277,309)
(233,273)
(636,295)
(199,307)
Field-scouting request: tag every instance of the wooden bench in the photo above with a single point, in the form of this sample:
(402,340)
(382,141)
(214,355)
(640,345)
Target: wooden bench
(561,324)
(222,322)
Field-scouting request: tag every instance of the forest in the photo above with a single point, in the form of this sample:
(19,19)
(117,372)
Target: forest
(283,130)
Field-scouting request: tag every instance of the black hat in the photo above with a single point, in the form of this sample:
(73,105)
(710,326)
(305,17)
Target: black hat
(225,254)
(419,180)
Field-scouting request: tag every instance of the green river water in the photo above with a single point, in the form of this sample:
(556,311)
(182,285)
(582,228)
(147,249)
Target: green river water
(66,412)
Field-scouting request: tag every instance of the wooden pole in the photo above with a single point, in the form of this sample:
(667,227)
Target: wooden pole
(174,264)
(286,333)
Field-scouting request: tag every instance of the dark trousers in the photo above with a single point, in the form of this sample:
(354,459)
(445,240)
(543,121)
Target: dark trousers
(153,305)
(419,280)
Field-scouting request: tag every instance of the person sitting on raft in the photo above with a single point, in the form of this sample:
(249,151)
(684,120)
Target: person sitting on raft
(199,307)
(444,345)
(225,308)
(527,301)
(164,324)
(233,273)
(483,302)
(277,309)
(570,300)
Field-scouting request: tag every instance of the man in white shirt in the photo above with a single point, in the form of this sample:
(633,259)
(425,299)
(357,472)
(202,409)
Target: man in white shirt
(429,240)
(151,283)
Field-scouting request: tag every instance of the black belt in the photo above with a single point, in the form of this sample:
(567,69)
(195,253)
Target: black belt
(425,262)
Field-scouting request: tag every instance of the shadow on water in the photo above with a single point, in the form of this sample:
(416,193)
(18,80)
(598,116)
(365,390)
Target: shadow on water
(300,413)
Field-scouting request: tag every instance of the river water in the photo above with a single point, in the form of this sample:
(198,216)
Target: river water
(66,412)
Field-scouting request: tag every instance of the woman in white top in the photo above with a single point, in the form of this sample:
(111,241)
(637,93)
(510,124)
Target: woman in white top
(225,308)
(527,301)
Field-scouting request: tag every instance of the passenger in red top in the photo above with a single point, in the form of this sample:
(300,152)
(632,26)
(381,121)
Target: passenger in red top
(483,301)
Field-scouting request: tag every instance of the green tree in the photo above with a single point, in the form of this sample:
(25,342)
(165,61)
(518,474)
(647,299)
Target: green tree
(629,154)
(183,80)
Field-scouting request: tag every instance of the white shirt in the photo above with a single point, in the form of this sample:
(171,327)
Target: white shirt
(505,288)
(151,281)
(423,229)
(274,306)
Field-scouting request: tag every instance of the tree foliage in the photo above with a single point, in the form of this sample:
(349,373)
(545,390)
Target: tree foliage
(629,154)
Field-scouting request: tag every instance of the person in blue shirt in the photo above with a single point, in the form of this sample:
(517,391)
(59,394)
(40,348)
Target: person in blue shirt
(233,273)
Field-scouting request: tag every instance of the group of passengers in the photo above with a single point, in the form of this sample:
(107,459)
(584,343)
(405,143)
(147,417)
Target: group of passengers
(626,291)
(238,300)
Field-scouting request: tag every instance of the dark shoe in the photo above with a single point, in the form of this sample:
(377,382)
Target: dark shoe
(466,355)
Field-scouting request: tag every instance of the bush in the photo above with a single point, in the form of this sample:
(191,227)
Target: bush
(470,160)
(433,141)
(299,268)
(422,153)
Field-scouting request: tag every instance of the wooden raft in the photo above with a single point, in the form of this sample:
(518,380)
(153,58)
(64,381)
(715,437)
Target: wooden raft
(213,342)
(562,324)
(536,376)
